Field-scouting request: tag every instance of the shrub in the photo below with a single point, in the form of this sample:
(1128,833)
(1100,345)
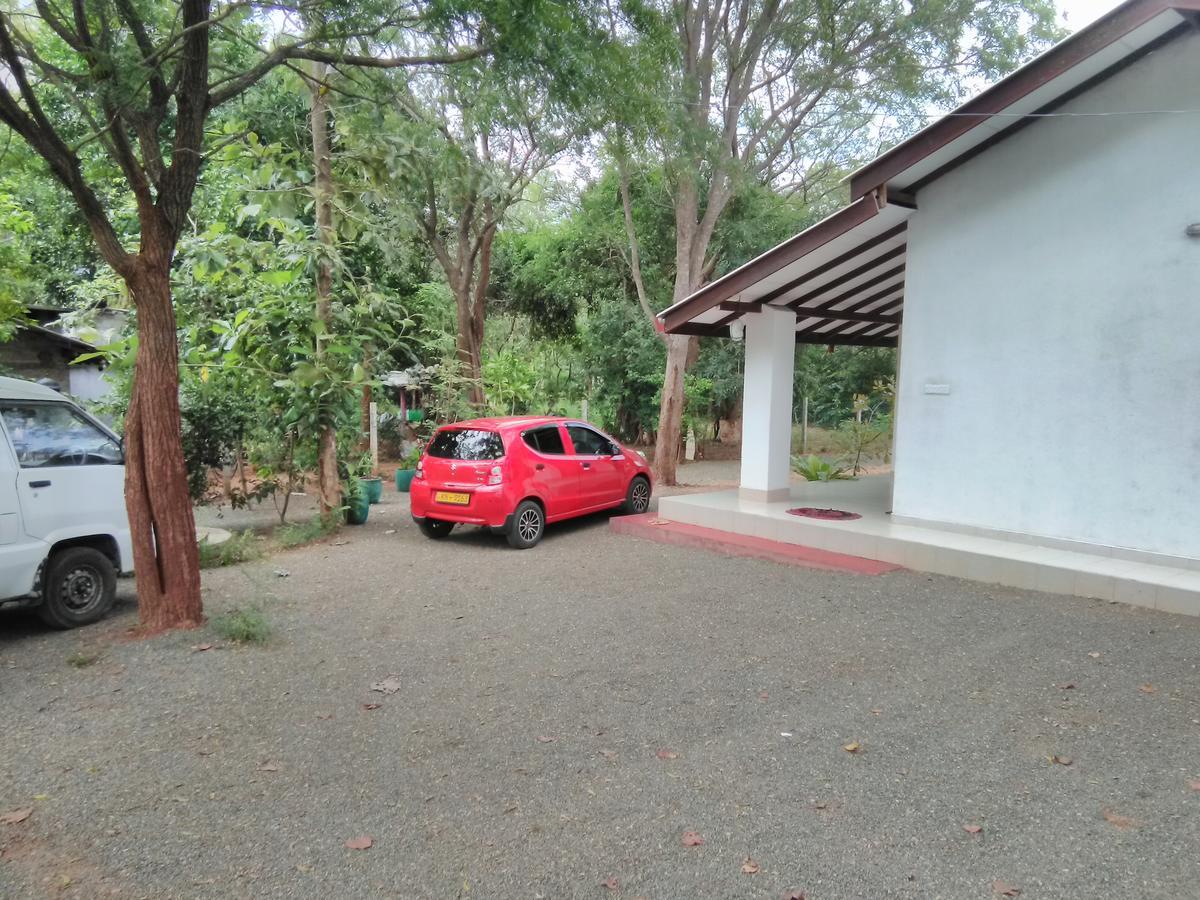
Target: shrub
(316,528)
(238,548)
(243,626)
(813,468)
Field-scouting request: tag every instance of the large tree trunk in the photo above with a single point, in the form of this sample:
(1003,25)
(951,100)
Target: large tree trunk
(165,556)
(328,484)
(469,343)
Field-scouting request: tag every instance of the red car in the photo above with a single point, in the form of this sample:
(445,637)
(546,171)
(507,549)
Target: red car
(515,475)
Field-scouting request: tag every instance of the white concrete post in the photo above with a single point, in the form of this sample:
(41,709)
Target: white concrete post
(767,404)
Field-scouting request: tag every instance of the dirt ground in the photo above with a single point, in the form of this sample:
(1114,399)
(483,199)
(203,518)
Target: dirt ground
(601,717)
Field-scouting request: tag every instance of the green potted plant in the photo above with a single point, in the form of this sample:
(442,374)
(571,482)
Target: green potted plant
(358,504)
(371,483)
(408,468)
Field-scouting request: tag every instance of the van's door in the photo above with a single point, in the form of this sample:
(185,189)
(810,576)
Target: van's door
(71,479)
(20,555)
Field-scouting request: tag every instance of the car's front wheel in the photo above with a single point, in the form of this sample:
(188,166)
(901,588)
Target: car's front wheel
(80,587)
(434,528)
(637,498)
(527,526)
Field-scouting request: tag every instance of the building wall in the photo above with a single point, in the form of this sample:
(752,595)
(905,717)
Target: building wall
(33,356)
(1051,286)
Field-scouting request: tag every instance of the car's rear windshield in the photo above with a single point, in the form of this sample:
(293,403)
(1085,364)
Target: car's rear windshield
(466,443)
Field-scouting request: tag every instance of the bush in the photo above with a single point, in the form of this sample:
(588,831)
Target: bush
(289,536)
(243,626)
(813,468)
(238,548)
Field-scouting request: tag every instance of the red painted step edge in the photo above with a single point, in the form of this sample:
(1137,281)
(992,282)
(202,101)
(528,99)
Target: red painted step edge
(652,528)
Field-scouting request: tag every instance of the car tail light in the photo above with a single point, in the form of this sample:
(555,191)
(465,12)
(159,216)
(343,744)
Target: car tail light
(420,473)
(496,476)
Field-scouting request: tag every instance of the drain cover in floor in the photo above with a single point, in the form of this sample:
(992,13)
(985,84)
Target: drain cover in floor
(811,512)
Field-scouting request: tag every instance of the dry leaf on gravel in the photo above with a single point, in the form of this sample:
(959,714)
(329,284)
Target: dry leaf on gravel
(546,739)
(1194,784)
(973,829)
(1147,688)
(1068,686)
(1061,760)
(876,711)
(794,895)
(764,696)
(611,883)
(389,685)
(362,842)
(852,747)
(1004,889)
(200,648)
(691,839)
(1094,655)
(610,755)
(1119,820)
(370,706)
(17,816)
(665,753)
(268,767)
(750,867)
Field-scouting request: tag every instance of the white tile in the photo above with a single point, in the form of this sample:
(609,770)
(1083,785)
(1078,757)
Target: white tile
(1055,579)
(1019,573)
(1095,585)
(1137,593)
(1177,600)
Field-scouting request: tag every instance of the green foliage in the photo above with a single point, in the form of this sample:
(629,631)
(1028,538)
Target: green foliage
(237,548)
(217,417)
(298,534)
(831,380)
(242,625)
(814,468)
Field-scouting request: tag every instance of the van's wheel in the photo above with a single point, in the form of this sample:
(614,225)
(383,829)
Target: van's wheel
(637,498)
(528,525)
(435,528)
(79,588)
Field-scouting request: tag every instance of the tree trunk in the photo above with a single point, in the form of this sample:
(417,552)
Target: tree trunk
(165,556)
(470,343)
(670,411)
(328,485)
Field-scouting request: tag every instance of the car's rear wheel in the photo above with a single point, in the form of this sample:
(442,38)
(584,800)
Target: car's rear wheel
(527,526)
(435,528)
(637,498)
(80,587)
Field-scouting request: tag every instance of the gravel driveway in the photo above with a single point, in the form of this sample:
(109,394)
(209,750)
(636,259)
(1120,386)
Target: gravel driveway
(565,716)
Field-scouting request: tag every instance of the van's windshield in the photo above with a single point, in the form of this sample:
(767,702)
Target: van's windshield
(53,434)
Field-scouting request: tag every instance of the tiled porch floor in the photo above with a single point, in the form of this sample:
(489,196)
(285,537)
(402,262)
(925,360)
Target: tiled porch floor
(930,549)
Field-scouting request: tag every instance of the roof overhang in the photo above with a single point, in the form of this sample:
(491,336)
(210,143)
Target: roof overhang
(843,277)
(1046,82)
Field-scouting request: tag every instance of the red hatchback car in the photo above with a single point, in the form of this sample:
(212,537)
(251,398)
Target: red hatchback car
(515,475)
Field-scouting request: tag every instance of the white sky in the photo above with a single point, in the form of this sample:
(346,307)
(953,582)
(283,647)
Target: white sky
(1074,14)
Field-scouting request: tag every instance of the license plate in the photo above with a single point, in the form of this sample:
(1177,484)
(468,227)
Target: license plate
(452,497)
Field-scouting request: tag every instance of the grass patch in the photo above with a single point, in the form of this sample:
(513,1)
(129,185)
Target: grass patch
(81,659)
(242,626)
(238,548)
(288,536)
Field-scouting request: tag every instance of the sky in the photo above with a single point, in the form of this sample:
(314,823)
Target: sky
(1074,14)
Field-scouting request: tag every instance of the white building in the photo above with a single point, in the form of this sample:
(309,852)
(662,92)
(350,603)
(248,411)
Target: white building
(1036,257)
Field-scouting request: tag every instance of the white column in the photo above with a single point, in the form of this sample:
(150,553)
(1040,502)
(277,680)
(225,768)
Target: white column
(767,404)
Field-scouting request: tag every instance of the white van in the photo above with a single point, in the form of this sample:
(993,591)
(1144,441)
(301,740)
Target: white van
(64,532)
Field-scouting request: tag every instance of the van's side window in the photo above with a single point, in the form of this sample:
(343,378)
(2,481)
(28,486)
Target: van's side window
(53,434)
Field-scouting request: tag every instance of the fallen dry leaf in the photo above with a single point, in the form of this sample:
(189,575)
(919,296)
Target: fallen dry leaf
(973,829)
(362,842)
(610,755)
(794,895)
(200,648)
(1004,889)
(852,747)
(389,685)
(1061,760)
(611,883)
(750,867)
(1094,655)
(1147,688)
(1069,686)
(17,816)
(665,753)
(1194,784)
(268,767)
(691,839)
(371,706)
(764,696)
(876,712)
(546,739)
(1119,820)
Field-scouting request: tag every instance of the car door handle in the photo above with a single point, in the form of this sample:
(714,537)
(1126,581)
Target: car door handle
(540,466)
(587,465)
(39,484)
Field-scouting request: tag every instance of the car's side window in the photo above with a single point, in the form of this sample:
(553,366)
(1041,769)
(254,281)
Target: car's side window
(545,440)
(590,443)
(53,434)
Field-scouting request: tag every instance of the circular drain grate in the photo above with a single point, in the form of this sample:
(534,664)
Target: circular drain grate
(811,512)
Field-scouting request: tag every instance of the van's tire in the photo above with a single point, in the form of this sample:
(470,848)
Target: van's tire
(80,586)
(435,528)
(527,526)
(637,498)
